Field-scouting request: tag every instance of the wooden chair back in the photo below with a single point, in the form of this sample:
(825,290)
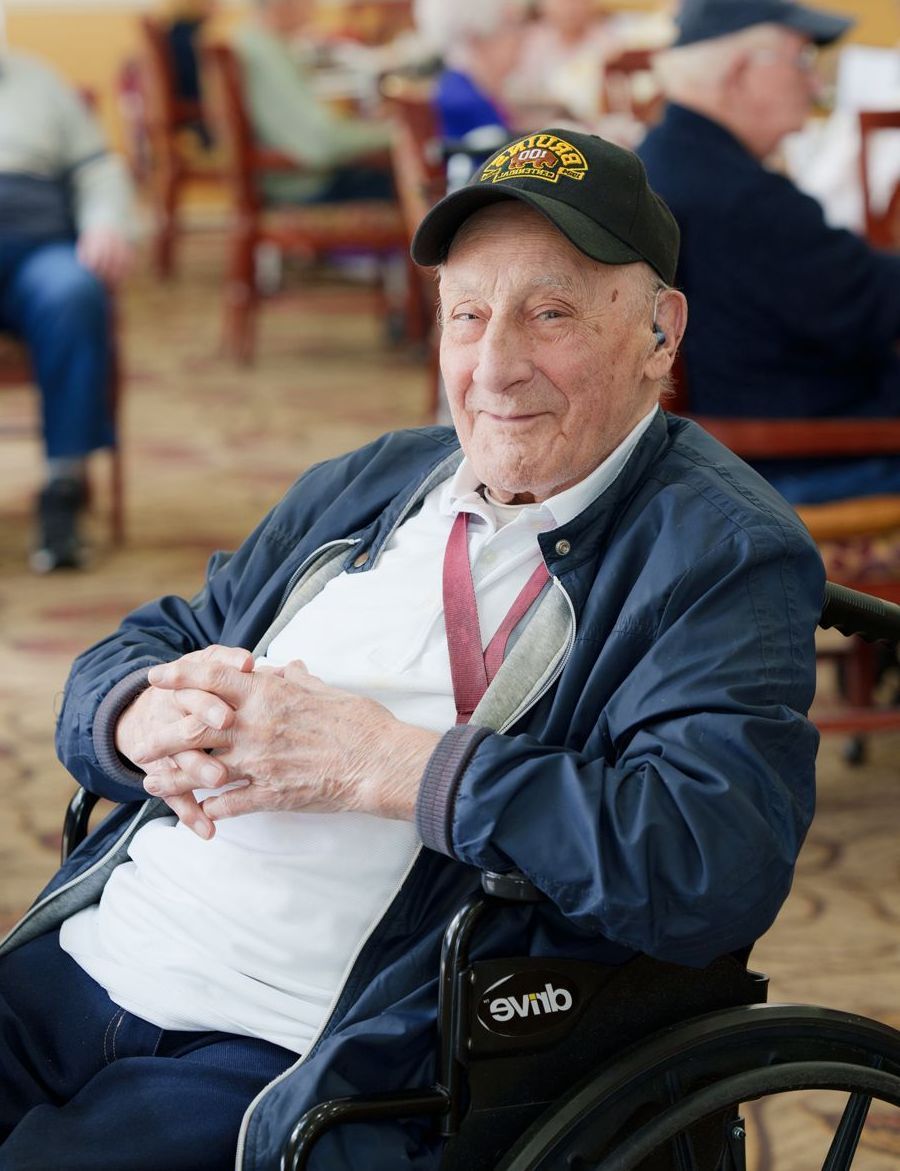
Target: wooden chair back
(417,156)
(628,85)
(167,109)
(248,162)
(308,229)
(171,164)
(882,227)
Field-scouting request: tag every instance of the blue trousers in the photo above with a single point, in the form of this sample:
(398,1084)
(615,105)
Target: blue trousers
(61,312)
(85,1085)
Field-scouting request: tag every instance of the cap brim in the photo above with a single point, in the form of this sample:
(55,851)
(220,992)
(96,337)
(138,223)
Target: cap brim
(822,28)
(435,233)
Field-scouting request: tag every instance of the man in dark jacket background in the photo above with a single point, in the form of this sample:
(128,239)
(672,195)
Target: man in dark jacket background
(580,646)
(790,317)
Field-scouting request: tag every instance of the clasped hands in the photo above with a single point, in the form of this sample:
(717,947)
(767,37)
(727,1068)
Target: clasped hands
(209,719)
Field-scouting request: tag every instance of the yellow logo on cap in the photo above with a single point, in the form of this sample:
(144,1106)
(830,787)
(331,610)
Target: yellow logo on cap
(539,156)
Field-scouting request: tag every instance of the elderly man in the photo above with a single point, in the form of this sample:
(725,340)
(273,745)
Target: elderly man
(791,317)
(65,220)
(575,638)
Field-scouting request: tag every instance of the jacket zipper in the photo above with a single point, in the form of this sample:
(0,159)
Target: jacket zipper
(305,564)
(434,476)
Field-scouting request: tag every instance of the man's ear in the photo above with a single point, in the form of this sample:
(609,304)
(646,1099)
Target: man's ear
(732,80)
(669,324)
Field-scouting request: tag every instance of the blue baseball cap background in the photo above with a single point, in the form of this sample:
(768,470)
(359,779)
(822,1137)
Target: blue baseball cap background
(701,20)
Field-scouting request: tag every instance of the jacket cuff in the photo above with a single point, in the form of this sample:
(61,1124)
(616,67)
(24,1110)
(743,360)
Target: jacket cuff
(440,783)
(104,732)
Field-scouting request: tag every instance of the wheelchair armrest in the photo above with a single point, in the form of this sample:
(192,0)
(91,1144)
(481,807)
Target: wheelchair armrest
(512,887)
(78,815)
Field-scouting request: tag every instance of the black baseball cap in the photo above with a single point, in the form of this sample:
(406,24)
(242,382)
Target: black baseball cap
(596,193)
(701,20)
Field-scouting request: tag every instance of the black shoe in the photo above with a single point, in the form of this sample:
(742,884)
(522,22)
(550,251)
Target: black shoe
(58,544)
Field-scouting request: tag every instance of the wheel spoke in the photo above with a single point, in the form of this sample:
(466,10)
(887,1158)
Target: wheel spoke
(847,1136)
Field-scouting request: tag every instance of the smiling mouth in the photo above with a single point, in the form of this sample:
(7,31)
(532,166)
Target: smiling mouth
(523,417)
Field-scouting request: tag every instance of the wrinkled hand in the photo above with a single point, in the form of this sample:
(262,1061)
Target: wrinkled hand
(298,743)
(106,253)
(189,721)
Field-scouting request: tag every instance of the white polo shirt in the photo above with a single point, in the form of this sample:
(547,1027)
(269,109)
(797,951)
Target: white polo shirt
(254,931)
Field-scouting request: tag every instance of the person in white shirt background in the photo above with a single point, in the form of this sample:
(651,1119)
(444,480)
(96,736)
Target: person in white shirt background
(823,158)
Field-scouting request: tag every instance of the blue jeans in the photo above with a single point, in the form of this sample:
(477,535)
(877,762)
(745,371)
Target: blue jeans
(85,1085)
(61,312)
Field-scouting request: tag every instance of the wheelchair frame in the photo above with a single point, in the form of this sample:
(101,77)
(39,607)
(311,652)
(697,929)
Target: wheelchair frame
(668,1102)
(669,1092)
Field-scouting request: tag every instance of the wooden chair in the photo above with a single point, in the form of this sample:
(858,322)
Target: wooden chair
(373,226)
(418,163)
(758,439)
(882,227)
(15,371)
(173,165)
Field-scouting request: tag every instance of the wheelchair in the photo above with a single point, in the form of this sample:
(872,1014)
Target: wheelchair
(559,1065)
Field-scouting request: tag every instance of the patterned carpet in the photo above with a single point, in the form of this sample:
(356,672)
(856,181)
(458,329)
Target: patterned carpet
(209,448)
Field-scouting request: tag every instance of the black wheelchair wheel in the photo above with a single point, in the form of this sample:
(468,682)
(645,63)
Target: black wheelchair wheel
(674,1101)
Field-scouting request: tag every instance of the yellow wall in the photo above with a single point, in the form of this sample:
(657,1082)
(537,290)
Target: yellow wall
(88,42)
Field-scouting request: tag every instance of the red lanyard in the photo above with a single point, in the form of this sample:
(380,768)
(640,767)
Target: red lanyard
(472,669)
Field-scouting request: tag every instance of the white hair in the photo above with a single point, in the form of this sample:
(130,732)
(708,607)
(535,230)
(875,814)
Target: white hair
(445,24)
(703,65)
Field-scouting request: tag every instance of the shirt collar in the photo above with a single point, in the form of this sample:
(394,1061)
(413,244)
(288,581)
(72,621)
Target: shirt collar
(463,491)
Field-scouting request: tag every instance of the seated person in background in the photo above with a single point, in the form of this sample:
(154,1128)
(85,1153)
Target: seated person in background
(335,151)
(337,757)
(792,317)
(65,219)
(186,20)
(559,69)
(478,41)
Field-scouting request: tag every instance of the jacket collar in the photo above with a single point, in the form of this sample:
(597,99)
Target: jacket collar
(713,135)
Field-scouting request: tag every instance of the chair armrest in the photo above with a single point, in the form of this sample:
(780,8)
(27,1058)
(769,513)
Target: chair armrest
(273,161)
(511,887)
(75,827)
(804,438)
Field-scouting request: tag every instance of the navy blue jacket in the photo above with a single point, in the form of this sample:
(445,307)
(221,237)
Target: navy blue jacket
(654,777)
(788,316)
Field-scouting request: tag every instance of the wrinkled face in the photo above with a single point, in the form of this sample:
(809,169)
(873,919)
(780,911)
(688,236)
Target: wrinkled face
(543,352)
(780,84)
